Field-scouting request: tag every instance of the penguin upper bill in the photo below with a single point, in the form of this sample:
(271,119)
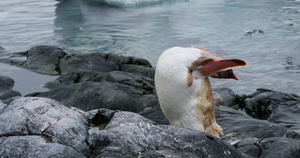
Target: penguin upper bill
(221,68)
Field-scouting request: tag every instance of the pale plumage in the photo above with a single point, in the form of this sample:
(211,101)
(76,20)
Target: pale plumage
(183,87)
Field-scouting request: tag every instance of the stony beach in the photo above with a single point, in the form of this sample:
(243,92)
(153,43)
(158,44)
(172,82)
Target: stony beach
(105,105)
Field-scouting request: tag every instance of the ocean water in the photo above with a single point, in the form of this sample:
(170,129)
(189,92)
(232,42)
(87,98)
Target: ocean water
(264,33)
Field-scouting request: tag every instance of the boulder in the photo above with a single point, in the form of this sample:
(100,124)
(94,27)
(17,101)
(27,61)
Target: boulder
(139,82)
(37,123)
(6,82)
(93,62)
(279,147)
(270,147)
(34,146)
(278,108)
(93,95)
(44,59)
(127,134)
(42,127)
(6,86)
(138,69)
(47,120)
(115,90)
(55,61)
(249,134)
(237,125)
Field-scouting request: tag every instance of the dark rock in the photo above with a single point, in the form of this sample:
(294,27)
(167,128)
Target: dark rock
(244,131)
(143,84)
(279,108)
(93,62)
(257,137)
(237,125)
(93,95)
(34,146)
(155,114)
(150,101)
(121,60)
(41,127)
(39,124)
(115,90)
(249,146)
(100,117)
(263,103)
(6,94)
(138,69)
(280,147)
(44,118)
(218,100)
(270,147)
(44,59)
(229,97)
(131,135)
(54,61)
(6,82)
(6,85)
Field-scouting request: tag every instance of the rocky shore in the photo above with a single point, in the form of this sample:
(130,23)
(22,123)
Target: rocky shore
(105,105)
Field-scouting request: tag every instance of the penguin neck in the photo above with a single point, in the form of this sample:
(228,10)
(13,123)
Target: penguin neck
(205,107)
(204,94)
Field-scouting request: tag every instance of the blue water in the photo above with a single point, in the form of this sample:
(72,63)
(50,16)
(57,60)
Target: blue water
(264,33)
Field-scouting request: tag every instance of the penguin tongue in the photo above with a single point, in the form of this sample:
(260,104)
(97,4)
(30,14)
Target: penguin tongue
(213,67)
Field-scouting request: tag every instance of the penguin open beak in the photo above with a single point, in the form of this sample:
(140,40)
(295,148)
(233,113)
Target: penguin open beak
(221,68)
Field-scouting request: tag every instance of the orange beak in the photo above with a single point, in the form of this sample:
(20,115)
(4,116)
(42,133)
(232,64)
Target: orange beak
(220,68)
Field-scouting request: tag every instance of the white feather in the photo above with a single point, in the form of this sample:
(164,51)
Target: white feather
(177,100)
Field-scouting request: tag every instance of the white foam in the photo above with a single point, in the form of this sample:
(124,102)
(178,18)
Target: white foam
(132,3)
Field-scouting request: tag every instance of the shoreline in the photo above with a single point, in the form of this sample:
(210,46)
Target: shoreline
(99,102)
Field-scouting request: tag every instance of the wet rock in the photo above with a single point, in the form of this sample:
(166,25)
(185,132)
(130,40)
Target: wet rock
(247,133)
(47,120)
(41,127)
(34,146)
(93,62)
(54,61)
(6,94)
(6,82)
(270,147)
(37,124)
(237,125)
(6,85)
(93,95)
(115,90)
(155,114)
(280,147)
(44,59)
(266,120)
(229,97)
(131,135)
(141,83)
(137,69)
(249,146)
(274,106)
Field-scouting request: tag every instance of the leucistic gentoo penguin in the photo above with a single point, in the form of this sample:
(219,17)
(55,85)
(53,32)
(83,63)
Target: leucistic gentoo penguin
(183,87)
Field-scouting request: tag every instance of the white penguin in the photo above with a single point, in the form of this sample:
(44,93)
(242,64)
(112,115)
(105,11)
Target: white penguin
(183,88)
